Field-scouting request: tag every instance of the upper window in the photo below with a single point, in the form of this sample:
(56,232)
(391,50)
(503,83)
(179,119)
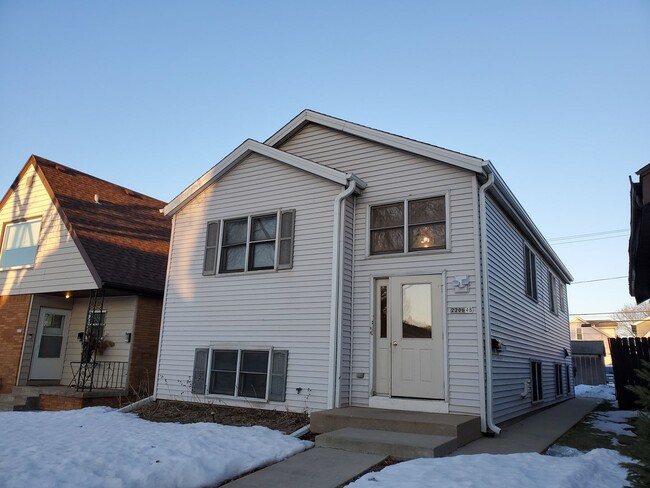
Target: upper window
(249,243)
(562,293)
(423,222)
(531,273)
(552,289)
(579,333)
(19,244)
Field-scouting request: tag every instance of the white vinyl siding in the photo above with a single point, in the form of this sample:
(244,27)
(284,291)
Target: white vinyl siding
(393,175)
(58,265)
(527,329)
(282,309)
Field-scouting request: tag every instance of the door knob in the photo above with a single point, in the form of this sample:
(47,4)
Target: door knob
(394,343)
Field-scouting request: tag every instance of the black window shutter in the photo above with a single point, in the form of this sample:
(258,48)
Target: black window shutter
(287,224)
(211,248)
(278,389)
(200,370)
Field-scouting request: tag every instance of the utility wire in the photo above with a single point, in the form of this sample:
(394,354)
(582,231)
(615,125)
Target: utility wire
(599,279)
(587,240)
(593,234)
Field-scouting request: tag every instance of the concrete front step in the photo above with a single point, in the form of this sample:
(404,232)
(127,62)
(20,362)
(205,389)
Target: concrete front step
(396,444)
(465,428)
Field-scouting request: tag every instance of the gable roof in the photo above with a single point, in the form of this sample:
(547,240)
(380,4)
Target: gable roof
(248,147)
(124,238)
(398,142)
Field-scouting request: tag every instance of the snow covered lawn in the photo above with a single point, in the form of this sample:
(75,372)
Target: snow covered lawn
(100,447)
(596,468)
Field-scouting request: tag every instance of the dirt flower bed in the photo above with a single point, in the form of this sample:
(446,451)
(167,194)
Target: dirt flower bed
(186,413)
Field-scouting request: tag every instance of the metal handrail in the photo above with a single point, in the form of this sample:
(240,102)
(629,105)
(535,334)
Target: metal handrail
(104,375)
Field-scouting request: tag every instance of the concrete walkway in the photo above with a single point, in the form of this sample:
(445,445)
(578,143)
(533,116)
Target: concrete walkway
(319,467)
(328,468)
(535,433)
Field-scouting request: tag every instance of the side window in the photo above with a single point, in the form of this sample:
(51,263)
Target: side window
(563,297)
(552,289)
(559,386)
(410,226)
(536,381)
(19,244)
(530,273)
(251,243)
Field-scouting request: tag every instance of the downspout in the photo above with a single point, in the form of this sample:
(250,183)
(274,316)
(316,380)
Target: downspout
(337,240)
(487,340)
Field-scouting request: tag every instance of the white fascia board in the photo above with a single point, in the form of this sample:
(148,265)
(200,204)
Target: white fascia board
(504,195)
(247,147)
(398,142)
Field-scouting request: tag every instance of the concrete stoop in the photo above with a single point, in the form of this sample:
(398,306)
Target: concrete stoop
(17,402)
(396,444)
(398,433)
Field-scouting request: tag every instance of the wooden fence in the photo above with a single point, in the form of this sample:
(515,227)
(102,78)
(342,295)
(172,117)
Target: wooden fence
(627,355)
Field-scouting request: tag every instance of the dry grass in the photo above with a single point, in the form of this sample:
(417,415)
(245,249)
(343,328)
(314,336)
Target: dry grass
(187,412)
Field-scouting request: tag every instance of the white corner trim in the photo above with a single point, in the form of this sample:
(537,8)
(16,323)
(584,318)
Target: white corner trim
(398,142)
(247,147)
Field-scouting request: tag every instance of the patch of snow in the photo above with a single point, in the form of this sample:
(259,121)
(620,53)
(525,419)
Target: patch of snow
(599,467)
(100,447)
(606,392)
(614,422)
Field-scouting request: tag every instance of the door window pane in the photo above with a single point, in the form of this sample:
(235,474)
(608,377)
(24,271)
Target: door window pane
(416,311)
(53,323)
(383,313)
(50,346)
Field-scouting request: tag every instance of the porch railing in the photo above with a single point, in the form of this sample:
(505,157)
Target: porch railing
(103,375)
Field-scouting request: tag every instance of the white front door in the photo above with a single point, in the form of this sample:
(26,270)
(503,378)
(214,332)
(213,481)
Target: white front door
(49,346)
(409,339)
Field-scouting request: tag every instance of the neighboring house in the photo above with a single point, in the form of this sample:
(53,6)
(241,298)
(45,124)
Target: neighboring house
(82,269)
(594,330)
(339,265)
(642,327)
(639,247)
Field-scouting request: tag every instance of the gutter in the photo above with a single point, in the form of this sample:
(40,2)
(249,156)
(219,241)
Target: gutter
(487,339)
(337,241)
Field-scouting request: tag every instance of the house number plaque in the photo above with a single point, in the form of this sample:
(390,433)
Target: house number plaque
(461,309)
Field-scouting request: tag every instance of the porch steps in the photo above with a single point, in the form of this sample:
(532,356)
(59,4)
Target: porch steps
(400,445)
(17,402)
(398,433)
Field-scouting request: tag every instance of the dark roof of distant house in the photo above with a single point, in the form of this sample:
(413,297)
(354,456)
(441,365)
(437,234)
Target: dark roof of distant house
(124,238)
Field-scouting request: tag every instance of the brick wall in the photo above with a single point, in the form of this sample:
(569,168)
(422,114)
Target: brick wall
(59,402)
(13,316)
(144,347)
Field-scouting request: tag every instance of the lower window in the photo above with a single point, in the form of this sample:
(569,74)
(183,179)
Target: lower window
(248,373)
(536,380)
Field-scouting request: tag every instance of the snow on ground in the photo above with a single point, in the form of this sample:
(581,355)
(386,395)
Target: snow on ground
(606,392)
(614,422)
(100,447)
(599,467)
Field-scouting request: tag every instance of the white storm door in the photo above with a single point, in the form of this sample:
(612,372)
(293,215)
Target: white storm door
(49,347)
(417,347)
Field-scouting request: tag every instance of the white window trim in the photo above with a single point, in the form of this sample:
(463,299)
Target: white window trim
(4,236)
(239,348)
(278,223)
(405,226)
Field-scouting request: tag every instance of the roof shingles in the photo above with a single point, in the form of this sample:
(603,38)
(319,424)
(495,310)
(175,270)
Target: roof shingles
(125,237)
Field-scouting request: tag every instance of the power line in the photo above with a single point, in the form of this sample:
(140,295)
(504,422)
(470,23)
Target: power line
(587,240)
(593,234)
(599,279)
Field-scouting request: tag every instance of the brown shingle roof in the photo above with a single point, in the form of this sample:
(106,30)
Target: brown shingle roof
(124,237)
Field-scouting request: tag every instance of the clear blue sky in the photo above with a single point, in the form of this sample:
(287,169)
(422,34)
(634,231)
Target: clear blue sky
(151,94)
